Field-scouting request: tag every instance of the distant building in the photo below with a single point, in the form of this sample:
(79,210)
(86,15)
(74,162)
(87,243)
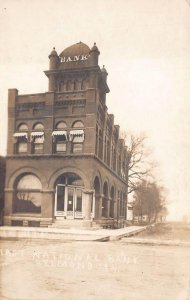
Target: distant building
(129,211)
(66,163)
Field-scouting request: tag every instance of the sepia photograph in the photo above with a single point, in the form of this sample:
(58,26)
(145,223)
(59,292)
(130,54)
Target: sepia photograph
(95,150)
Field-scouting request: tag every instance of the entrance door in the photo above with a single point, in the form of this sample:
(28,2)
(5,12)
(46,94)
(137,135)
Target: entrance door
(60,200)
(68,201)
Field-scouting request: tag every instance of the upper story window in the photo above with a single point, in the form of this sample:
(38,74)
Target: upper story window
(38,126)
(60,138)
(78,124)
(37,138)
(61,125)
(22,127)
(100,144)
(76,136)
(21,137)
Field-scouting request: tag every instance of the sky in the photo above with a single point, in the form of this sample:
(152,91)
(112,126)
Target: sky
(145,47)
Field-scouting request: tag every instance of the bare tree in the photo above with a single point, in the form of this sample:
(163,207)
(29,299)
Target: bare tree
(149,200)
(25,195)
(138,165)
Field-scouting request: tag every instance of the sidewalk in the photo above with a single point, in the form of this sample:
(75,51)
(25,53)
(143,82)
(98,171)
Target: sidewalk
(72,234)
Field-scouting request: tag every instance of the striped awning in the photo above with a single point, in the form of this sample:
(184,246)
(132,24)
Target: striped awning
(37,133)
(76,133)
(20,134)
(59,132)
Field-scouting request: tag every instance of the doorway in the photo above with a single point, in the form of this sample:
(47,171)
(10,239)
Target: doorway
(68,201)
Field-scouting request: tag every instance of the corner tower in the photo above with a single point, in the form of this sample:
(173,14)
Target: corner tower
(75,69)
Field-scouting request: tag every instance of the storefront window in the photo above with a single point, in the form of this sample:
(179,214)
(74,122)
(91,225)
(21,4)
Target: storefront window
(27,194)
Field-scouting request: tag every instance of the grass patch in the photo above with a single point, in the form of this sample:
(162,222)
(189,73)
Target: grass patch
(168,231)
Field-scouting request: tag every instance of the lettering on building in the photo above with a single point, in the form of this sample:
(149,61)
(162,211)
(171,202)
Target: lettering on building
(74,58)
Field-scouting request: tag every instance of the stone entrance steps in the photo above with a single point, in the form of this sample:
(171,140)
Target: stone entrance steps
(74,223)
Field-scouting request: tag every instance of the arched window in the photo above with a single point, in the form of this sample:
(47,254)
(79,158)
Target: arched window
(100,144)
(70,179)
(78,124)
(114,160)
(118,203)
(121,204)
(27,194)
(112,203)
(96,147)
(61,125)
(97,194)
(105,149)
(97,186)
(22,127)
(38,126)
(37,138)
(60,138)
(77,137)
(108,152)
(21,139)
(105,200)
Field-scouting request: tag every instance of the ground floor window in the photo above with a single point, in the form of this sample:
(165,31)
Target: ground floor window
(27,194)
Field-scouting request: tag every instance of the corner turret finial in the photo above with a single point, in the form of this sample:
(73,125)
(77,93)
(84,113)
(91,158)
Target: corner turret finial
(95,49)
(104,73)
(53,57)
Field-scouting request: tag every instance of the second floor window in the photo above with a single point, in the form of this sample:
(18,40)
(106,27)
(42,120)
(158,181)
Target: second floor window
(76,136)
(77,139)
(60,138)
(59,141)
(38,143)
(37,139)
(21,145)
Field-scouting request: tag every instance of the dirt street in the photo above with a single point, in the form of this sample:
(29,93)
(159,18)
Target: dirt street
(93,270)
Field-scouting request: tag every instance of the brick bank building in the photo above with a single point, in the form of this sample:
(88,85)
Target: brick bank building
(66,164)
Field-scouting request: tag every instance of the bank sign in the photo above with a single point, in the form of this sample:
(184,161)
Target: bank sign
(80,57)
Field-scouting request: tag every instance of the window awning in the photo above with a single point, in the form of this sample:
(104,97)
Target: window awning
(37,133)
(20,134)
(76,133)
(59,132)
